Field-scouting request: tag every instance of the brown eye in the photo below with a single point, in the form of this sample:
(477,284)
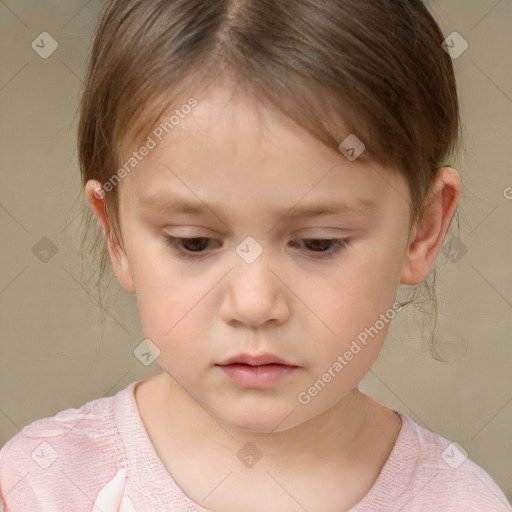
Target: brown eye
(322,245)
(187,248)
(195,248)
(194,244)
(317,244)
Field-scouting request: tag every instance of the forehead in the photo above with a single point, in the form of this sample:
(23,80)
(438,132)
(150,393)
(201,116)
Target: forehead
(232,148)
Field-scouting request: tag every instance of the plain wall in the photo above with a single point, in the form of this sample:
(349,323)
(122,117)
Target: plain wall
(58,349)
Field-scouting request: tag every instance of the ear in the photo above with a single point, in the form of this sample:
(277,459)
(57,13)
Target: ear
(429,232)
(95,196)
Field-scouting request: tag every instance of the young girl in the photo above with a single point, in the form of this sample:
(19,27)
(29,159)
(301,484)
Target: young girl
(266,175)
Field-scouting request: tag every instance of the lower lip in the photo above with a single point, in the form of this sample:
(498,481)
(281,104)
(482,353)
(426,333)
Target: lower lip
(257,377)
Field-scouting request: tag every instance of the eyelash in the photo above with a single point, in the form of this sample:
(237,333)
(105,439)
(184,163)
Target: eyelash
(338,244)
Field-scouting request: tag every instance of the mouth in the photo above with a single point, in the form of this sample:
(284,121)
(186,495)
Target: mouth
(255,360)
(256,372)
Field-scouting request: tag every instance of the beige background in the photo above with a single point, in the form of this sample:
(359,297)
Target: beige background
(59,350)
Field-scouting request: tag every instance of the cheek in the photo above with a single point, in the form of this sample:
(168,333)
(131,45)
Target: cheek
(170,305)
(354,307)
(172,317)
(352,297)
(343,353)
(371,284)
(172,309)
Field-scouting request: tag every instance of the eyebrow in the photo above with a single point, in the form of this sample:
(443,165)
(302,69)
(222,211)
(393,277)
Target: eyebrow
(359,206)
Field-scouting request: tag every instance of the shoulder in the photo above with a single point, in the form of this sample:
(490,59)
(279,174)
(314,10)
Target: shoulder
(444,475)
(58,459)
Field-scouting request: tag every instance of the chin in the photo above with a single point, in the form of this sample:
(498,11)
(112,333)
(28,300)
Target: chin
(252,425)
(259,420)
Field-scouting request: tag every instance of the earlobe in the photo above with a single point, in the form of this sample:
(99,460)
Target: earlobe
(95,196)
(120,264)
(431,228)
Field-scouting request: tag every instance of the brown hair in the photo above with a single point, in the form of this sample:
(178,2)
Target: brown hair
(376,69)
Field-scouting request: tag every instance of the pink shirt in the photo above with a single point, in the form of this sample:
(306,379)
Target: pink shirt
(61,463)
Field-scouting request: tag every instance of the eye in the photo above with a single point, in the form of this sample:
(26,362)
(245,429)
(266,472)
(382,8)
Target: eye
(194,248)
(321,245)
(197,245)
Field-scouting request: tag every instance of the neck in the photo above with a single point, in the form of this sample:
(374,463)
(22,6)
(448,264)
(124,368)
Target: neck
(335,432)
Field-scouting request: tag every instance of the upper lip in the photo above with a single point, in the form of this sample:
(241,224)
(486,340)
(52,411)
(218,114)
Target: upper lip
(254,360)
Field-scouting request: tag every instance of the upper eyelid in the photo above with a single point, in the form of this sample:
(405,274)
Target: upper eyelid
(188,238)
(332,233)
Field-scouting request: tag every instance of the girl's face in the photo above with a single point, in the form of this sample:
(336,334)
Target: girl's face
(255,282)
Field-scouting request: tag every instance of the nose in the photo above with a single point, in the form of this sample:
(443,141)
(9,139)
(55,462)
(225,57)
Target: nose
(255,294)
